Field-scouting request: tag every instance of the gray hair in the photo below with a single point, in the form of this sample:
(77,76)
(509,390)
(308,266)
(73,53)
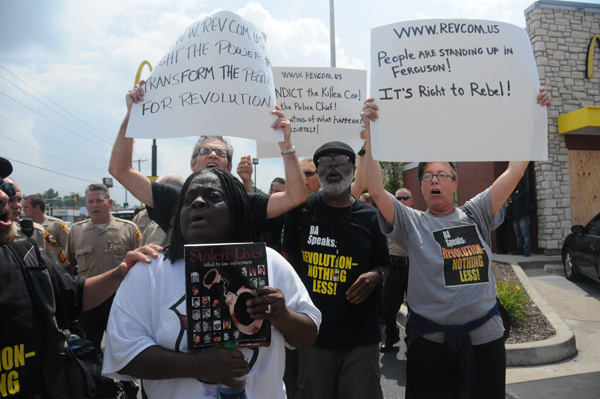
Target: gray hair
(222,139)
(172,179)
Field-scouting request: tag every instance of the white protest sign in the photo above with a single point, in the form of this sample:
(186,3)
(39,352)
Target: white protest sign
(323,104)
(456,90)
(215,79)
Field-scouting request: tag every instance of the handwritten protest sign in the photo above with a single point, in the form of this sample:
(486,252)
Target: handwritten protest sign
(215,79)
(456,90)
(323,105)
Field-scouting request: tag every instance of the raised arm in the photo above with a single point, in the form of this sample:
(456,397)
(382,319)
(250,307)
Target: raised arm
(295,189)
(360,178)
(121,165)
(506,183)
(244,171)
(383,199)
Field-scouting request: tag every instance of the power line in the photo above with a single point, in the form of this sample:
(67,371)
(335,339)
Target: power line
(52,155)
(50,171)
(47,136)
(27,84)
(57,124)
(56,112)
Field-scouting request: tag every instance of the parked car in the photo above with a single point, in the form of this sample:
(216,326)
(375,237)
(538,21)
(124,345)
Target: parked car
(581,251)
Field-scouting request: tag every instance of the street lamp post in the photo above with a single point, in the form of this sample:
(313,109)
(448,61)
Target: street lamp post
(255,163)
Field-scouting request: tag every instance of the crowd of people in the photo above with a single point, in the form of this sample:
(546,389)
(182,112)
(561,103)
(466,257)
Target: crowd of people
(338,245)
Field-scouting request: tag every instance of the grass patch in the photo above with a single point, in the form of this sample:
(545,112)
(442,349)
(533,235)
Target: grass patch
(514,299)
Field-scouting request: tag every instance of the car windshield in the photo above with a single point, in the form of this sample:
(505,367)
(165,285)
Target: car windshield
(594,223)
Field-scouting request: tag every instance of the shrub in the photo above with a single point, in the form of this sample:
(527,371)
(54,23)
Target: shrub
(514,299)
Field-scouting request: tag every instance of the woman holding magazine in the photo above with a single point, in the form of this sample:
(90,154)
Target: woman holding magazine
(147,336)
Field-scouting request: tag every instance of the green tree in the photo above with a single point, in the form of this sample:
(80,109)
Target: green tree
(50,194)
(392,175)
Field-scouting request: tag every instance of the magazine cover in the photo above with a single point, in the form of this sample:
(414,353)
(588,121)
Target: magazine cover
(219,279)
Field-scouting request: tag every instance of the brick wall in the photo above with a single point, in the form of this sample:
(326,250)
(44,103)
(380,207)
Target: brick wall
(560,36)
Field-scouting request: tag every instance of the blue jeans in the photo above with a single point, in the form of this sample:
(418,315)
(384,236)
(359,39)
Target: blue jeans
(521,227)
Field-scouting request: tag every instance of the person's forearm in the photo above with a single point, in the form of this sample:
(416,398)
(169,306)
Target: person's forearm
(248,185)
(156,363)
(300,331)
(98,289)
(121,167)
(121,158)
(506,183)
(360,179)
(295,189)
(373,172)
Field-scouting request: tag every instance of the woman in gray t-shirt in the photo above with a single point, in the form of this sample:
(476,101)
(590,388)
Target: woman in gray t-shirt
(456,330)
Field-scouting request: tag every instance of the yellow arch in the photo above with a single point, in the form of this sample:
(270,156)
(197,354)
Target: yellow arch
(590,57)
(139,71)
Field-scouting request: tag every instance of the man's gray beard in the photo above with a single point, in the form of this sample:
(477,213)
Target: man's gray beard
(336,189)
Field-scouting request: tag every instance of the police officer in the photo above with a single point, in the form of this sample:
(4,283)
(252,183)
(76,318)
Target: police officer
(95,246)
(34,208)
(44,239)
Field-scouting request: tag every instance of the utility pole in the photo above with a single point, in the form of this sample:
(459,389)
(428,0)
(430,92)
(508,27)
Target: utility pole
(139,161)
(332,33)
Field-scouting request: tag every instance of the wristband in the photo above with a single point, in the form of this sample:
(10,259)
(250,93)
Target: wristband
(361,152)
(288,151)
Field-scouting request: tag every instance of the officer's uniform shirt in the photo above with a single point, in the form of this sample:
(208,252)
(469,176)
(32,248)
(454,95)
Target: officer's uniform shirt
(45,241)
(58,229)
(142,220)
(153,235)
(98,251)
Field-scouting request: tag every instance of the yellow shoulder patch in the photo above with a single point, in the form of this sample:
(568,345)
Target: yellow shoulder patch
(138,234)
(65,227)
(49,238)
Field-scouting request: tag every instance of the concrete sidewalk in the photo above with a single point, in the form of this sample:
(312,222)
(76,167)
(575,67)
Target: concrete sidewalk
(578,305)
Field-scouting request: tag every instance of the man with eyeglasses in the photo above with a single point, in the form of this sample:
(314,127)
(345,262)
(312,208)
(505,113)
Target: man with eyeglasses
(209,151)
(340,255)
(396,283)
(44,239)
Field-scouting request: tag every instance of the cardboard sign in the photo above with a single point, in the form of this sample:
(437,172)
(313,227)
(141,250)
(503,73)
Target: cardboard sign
(323,105)
(456,90)
(215,79)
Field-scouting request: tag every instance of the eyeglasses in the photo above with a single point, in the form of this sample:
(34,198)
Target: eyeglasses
(440,176)
(8,189)
(339,159)
(207,150)
(403,198)
(309,173)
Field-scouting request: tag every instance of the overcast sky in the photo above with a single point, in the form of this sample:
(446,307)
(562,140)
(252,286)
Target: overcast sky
(65,67)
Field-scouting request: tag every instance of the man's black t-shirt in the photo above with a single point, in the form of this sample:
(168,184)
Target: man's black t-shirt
(330,248)
(165,200)
(22,339)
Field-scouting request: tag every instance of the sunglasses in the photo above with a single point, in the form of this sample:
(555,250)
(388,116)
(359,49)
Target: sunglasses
(8,189)
(207,150)
(309,173)
(339,159)
(403,198)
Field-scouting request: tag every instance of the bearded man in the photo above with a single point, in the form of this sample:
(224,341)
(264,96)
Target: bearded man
(334,244)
